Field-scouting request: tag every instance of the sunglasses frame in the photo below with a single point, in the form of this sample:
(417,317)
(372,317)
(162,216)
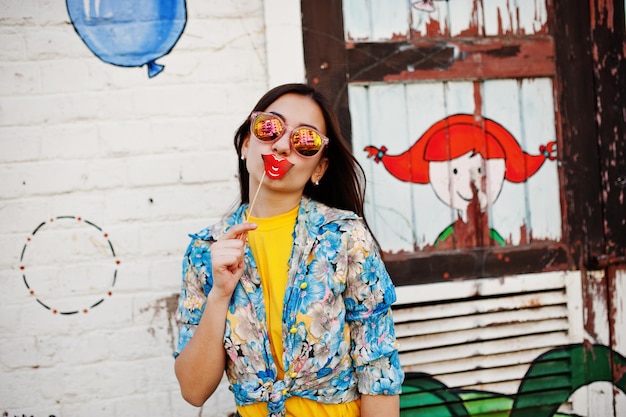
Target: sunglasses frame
(286,127)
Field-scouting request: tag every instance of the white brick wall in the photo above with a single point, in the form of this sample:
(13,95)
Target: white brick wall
(148,161)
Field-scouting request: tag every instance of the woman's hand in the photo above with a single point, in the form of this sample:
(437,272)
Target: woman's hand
(200,366)
(227,259)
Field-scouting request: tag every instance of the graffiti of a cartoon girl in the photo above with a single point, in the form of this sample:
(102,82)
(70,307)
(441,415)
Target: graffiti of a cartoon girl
(466,160)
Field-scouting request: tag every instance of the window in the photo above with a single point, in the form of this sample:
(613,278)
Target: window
(407,83)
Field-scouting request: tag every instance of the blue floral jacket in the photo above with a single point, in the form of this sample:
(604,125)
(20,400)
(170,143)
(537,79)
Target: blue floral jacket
(338,332)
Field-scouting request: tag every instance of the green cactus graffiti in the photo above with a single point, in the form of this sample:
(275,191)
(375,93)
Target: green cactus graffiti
(550,380)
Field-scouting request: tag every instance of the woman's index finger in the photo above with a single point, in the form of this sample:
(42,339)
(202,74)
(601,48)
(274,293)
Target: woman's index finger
(239,229)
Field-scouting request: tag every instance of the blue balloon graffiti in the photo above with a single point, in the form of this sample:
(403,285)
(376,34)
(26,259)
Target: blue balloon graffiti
(129,33)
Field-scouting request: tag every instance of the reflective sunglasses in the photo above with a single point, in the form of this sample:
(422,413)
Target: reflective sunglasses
(268,127)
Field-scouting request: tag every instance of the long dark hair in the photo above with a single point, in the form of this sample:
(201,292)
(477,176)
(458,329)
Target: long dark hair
(343,184)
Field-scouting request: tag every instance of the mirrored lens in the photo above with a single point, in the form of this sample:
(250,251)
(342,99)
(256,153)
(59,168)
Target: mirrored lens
(306,141)
(267,127)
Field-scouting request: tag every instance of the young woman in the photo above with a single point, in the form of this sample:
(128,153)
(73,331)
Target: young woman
(289,293)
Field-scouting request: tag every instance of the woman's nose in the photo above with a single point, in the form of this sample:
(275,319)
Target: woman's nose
(282,146)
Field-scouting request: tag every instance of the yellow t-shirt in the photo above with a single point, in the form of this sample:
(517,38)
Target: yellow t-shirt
(271,244)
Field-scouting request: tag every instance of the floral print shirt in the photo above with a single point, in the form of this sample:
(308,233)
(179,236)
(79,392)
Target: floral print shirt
(338,333)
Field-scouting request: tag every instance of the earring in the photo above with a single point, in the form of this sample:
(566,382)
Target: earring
(316,182)
(243,157)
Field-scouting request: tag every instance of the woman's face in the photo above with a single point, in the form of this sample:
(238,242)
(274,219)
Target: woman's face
(285,170)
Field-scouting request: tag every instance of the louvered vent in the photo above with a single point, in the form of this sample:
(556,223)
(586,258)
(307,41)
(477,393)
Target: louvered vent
(483,334)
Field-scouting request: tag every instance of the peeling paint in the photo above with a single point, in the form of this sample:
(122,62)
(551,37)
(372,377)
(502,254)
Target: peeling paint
(595,306)
(169,306)
(473,28)
(478,100)
(434,29)
(481,60)
(603,15)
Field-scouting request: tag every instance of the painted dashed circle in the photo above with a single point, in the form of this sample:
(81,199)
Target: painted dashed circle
(69,265)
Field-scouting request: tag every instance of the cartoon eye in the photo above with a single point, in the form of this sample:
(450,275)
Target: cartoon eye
(455,171)
(480,170)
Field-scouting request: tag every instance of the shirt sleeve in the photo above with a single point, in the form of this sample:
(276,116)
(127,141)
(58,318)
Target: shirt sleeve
(369,295)
(196,284)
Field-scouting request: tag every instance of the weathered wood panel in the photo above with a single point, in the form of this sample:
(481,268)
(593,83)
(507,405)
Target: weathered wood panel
(409,215)
(460,40)
(450,59)
(526,109)
(325,54)
(385,20)
(506,61)
(617,320)
(575,104)
(609,55)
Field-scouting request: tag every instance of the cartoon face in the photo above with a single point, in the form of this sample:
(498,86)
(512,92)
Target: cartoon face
(456,181)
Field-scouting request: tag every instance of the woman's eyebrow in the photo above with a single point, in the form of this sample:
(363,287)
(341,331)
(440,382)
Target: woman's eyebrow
(285,120)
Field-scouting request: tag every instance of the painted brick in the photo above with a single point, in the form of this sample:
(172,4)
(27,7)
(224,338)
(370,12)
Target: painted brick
(221,9)
(13,47)
(245,68)
(139,343)
(31,110)
(16,11)
(209,167)
(52,411)
(148,404)
(146,160)
(133,138)
(33,12)
(75,141)
(11,314)
(155,309)
(20,144)
(14,292)
(14,396)
(27,216)
(218,132)
(88,347)
(54,42)
(18,78)
(117,379)
(53,77)
(115,312)
(165,271)
(41,178)
(19,352)
(168,239)
(151,170)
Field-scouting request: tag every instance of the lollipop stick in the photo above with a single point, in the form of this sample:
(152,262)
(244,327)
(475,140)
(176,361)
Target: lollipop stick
(255,196)
(243,235)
